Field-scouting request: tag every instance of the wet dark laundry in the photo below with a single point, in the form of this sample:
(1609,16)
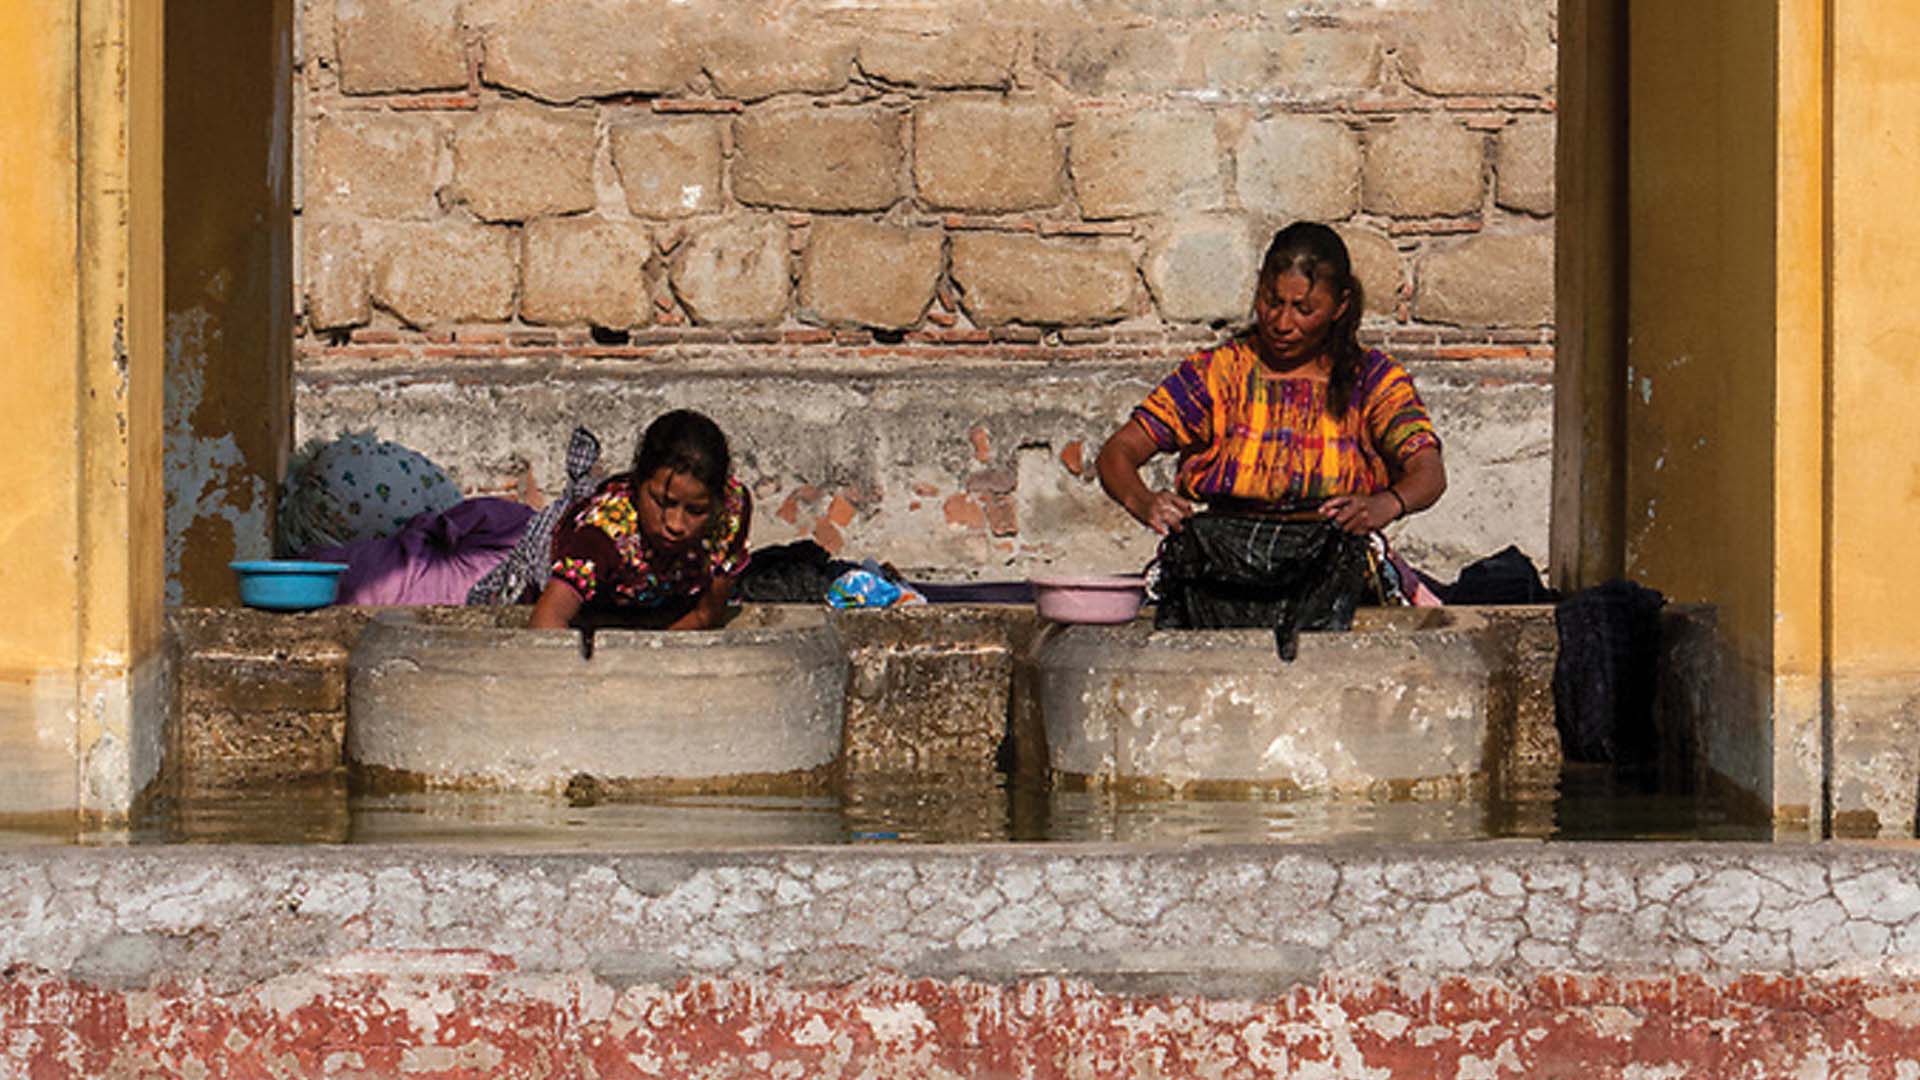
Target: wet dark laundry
(1605,673)
(1222,571)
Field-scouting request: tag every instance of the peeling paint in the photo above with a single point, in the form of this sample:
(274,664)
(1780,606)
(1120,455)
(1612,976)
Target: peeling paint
(206,477)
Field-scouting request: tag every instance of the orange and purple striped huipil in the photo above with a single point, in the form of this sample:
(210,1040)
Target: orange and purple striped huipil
(1243,433)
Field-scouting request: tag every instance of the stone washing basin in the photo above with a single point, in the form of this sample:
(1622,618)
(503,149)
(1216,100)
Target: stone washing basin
(1395,708)
(471,698)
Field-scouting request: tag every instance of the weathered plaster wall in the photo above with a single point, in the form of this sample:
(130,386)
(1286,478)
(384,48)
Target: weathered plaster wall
(946,461)
(484,182)
(229,397)
(1043,961)
(82,677)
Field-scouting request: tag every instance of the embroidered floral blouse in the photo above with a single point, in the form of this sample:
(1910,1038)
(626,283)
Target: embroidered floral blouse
(601,552)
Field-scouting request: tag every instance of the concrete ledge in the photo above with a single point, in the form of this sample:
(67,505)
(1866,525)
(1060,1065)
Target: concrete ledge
(1650,959)
(1398,707)
(462,697)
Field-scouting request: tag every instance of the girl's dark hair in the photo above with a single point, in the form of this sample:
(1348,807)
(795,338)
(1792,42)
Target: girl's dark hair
(1318,253)
(684,441)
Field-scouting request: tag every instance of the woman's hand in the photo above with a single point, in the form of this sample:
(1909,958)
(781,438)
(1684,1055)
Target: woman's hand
(1119,468)
(1361,514)
(1164,512)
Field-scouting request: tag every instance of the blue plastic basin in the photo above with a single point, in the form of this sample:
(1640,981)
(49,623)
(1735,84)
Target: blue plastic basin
(288,584)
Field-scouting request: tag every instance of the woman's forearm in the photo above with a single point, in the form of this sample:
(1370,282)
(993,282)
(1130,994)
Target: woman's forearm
(557,606)
(1422,481)
(1118,467)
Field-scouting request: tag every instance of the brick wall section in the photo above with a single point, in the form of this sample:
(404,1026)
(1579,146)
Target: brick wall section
(650,167)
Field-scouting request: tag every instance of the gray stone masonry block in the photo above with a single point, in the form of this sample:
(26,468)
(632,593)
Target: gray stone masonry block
(388,46)
(1007,277)
(670,167)
(1118,60)
(257,695)
(1523,164)
(583,270)
(1480,47)
(1290,64)
(430,274)
(1425,165)
(987,154)
(750,59)
(1203,269)
(590,48)
(379,165)
(1292,168)
(336,275)
(734,273)
(808,158)
(959,58)
(1493,279)
(1148,162)
(1377,263)
(865,274)
(519,162)
(927,695)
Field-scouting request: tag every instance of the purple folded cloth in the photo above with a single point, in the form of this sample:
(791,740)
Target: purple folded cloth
(434,559)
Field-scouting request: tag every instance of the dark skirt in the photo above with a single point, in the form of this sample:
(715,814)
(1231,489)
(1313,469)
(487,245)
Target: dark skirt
(1222,570)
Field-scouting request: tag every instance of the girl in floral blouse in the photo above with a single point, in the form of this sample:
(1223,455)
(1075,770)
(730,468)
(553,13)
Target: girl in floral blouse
(666,541)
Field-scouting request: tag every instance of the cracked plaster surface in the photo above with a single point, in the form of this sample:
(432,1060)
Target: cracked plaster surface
(240,915)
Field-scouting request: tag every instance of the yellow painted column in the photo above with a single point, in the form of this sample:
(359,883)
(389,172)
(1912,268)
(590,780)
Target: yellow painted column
(1873,509)
(1771,360)
(82,680)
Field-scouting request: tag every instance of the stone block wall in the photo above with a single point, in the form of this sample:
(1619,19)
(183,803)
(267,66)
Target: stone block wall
(659,180)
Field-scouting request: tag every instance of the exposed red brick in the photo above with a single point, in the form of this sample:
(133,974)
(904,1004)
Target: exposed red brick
(992,224)
(1086,228)
(982,444)
(840,511)
(808,493)
(1434,226)
(1001,519)
(696,105)
(964,512)
(807,337)
(789,511)
(1481,352)
(925,490)
(1073,456)
(942,318)
(828,537)
(424,102)
(997,481)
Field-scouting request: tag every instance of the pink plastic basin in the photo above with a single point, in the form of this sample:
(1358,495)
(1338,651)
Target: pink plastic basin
(1109,599)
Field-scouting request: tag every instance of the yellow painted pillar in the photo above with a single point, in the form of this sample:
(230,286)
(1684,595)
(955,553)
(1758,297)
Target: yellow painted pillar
(1769,357)
(1872,639)
(82,679)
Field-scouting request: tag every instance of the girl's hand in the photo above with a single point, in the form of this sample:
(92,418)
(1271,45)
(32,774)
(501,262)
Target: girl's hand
(1361,514)
(1165,512)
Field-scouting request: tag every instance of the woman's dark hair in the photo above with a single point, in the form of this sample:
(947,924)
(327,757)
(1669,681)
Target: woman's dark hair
(1318,254)
(684,441)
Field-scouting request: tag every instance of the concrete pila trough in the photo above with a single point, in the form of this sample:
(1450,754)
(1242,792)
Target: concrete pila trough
(472,698)
(1396,708)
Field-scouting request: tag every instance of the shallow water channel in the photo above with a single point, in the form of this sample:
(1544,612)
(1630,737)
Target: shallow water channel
(1583,803)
